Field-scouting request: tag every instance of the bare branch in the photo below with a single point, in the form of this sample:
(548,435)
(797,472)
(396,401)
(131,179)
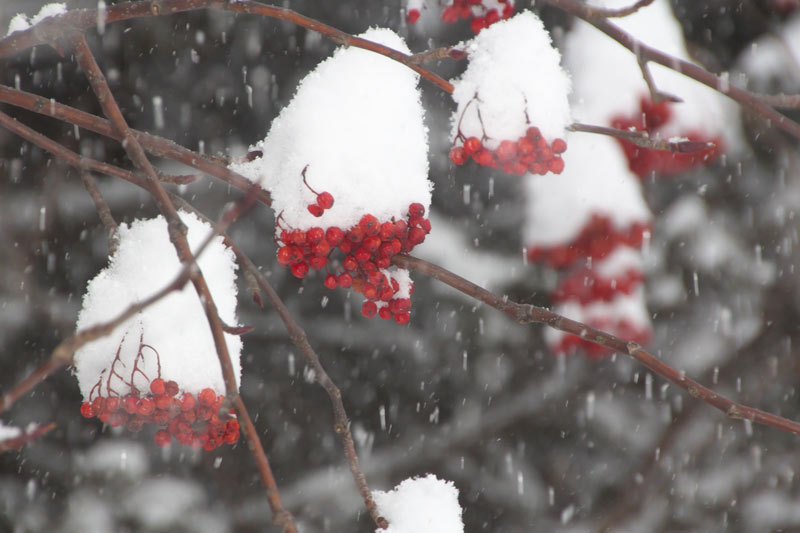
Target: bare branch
(103,210)
(525,314)
(620,12)
(643,139)
(655,94)
(781,100)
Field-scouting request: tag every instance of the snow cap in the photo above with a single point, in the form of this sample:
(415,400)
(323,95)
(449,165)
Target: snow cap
(422,504)
(175,328)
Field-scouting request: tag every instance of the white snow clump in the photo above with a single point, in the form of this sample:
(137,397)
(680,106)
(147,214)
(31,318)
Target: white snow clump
(421,505)
(170,339)
(21,22)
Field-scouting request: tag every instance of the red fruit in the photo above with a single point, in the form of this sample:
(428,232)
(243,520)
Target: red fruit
(355,234)
(559,146)
(477,24)
(369,266)
(402,318)
(204,412)
(416,210)
(297,237)
(450,15)
(369,291)
(533,133)
(87,410)
(207,397)
(171,388)
(134,425)
(483,157)
(346,246)
(526,146)
(492,16)
(315,210)
(369,225)
(321,248)
(117,419)
(299,270)
(372,243)
(189,416)
(314,235)
(146,406)
(317,262)
(507,151)
(162,437)
(368,309)
(187,402)
(98,404)
(160,417)
(472,145)
(362,255)
(350,263)
(416,236)
(387,231)
(457,155)
(330,281)
(384,313)
(325,200)
(130,403)
(334,236)
(112,404)
(345,280)
(556,165)
(412,16)
(157,386)
(400,227)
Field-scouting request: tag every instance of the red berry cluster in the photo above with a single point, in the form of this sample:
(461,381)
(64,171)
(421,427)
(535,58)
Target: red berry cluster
(644,161)
(622,328)
(598,238)
(530,153)
(368,248)
(481,15)
(586,286)
(191,421)
(323,202)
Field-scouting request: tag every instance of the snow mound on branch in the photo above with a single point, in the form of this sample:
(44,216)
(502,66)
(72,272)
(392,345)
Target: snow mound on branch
(596,180)
(608,81)
(514,78)
(175,327)
(21,22)
(356,124)
(421,505)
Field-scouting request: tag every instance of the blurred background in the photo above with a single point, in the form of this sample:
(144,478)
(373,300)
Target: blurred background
(532,441)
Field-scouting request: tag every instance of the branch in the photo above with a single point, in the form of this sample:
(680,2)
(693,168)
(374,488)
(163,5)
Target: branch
(177,234)
(647,53)
(103,210)
(526,314)
(157,146)
(643,139)
(27,436)
(619,12)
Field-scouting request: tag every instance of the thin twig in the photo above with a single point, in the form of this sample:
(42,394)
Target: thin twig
(525,314)
(655,93)
(643,139)
(784,101)
(444,52)
(103,211)
(28,436)
(607,12)
(648,53)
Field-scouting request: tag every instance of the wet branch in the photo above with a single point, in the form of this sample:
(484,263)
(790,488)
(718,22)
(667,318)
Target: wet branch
(102,209)
(643,139)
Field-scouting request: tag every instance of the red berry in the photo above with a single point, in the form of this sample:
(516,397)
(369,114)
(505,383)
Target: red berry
(298,237)
(384,313)
(477,24)
(416,210)
(130,403)
(299,270)
(369,291)
(162,437)
(112,404)
(207,397)
(457,155)
(345,280)
(450,15)
(369,225)
(383,262)
(163,401)
(325,200)
(355,234)
(402,318)
(330,281)
(317,262)
(483,157)
(146,406)
(472,145)
(314,235)
(171,388)
(321,248)
(160,417)
(350,263)
(507,151)
(87,410)
(372,243)
(559,146)
(416,236)
(556,165)
(368,309)
(187,402)
(157,386)
(492,16)
(315,210)
(362,255)
(334,236)
(412,16)
(285,255)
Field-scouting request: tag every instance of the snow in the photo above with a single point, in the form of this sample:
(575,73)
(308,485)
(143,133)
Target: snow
(22,22)
(9,432)
(596,179)
(599,97)
(774,55)
(356,125)
(513,77)
(421,505)
(115,458)
(175,327)
(621,260)
(158,504)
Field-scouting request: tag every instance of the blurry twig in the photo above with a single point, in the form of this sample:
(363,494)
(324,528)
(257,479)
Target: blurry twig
(445,52)
(785,101)
(655,93)
(28,436)
(103,210)
(643,139)
(620,12)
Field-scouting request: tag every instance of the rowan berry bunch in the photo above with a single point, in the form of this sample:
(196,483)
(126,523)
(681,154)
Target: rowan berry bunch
(598,238)
(480,13)
(193,421)
(653,118)
(530,153)
(367,248)
(587,285)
